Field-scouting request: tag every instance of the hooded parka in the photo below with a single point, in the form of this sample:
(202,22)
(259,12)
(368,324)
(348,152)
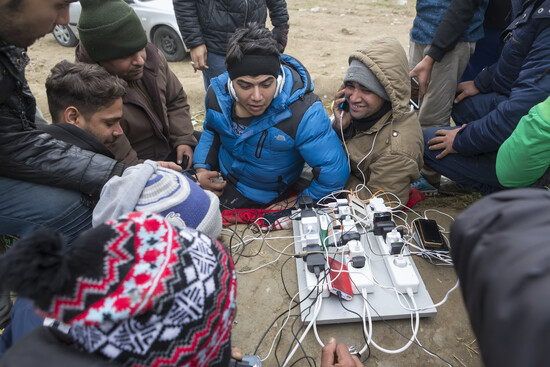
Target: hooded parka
(388,156)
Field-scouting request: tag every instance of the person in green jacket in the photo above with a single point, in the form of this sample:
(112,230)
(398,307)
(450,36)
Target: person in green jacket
(524,158)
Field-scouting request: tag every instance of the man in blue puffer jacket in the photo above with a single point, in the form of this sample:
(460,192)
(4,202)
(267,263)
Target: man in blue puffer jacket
(488,108)
(262,123)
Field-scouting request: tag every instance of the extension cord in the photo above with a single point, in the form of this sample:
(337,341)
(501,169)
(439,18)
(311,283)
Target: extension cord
(309,235)
(399,266)
(361,278)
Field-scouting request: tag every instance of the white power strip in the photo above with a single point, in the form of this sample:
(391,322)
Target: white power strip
(399,266)
(361,278)
(310,226)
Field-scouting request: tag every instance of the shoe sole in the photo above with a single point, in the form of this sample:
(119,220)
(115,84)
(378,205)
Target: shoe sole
(430,193)
(454,193)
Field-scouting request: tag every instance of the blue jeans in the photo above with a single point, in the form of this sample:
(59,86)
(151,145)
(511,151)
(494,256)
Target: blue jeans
(216,66)
(27,206)
(473,108)
(477,172)
(23,321)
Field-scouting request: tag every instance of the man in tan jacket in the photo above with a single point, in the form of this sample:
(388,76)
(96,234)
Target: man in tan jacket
(379,130)
(156,118)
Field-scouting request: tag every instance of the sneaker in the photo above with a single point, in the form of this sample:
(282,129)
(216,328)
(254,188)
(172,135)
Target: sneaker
(424,186)
(452,188)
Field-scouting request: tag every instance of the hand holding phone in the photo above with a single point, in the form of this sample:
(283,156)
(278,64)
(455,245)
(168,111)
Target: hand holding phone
(415,93)
(340,108)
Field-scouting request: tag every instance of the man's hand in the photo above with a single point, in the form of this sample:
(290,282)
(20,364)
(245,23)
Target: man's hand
(182,150)
(444,140)
(423,72)
(205,178)
(465,89)
(236,354)
(340,119)
(170,165)
(198,57)
(338,355)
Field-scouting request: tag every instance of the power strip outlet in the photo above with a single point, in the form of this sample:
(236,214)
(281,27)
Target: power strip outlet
(314,286)
(399,266)
(309,234)
(361,278)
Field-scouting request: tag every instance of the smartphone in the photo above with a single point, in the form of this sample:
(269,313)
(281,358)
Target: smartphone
(344,106)
(415,93)
(427,234)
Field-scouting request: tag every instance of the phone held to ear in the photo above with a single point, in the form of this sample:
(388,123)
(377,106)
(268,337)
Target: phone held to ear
(415,94)
(344,106)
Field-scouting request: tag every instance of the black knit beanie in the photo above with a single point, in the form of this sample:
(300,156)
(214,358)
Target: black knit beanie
(110,29)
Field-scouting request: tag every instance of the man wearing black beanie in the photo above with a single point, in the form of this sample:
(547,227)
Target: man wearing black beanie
(156,117)
(263,122)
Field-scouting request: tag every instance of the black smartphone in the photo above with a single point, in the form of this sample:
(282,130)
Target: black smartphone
(344,106)
(415,94)
(427,234)
(184,162)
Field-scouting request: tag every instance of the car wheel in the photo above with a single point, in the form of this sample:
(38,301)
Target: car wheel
(65,36)
(169,42)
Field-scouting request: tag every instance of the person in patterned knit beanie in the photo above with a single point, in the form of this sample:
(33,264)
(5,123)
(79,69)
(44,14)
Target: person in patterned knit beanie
(132,292)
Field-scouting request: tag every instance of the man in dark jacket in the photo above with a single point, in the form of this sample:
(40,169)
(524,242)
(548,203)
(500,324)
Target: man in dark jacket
(501,256)
(207,25)
(263,122)
(488,108)
(42,179)
(156,118)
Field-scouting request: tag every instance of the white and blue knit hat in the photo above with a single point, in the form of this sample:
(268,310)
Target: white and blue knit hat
(149,188)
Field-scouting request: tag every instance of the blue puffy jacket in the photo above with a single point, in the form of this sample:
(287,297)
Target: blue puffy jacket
(269,155)
(522,74)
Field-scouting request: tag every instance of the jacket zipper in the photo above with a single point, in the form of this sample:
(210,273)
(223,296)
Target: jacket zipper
(260,146)
(245,12)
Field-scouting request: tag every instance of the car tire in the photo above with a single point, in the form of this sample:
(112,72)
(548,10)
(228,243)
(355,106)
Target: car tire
(64,36)
(169,42)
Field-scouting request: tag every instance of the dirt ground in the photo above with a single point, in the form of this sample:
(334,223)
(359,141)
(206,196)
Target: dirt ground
(322,34)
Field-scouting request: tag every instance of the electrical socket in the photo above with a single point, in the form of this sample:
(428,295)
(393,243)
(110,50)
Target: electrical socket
(321,284)
(399,266)
(361,278)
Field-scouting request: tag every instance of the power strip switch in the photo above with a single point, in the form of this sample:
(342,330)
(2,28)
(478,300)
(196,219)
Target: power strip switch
(400,265)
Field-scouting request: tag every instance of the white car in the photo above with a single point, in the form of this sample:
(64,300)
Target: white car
(157,18)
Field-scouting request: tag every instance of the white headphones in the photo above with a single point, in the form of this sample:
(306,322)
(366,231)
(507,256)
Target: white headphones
(280,84)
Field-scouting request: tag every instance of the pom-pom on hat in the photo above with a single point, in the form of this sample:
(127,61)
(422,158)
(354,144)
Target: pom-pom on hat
(134,290)
(110,29)
(149,188)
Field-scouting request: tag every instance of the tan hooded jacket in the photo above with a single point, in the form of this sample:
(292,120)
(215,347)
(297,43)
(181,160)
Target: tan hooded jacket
(396,139)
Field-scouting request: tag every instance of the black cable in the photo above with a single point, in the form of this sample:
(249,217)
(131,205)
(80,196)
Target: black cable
(362,329)
(283,279)
(277,318)
(304,357)
(234,233)
(295,334)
